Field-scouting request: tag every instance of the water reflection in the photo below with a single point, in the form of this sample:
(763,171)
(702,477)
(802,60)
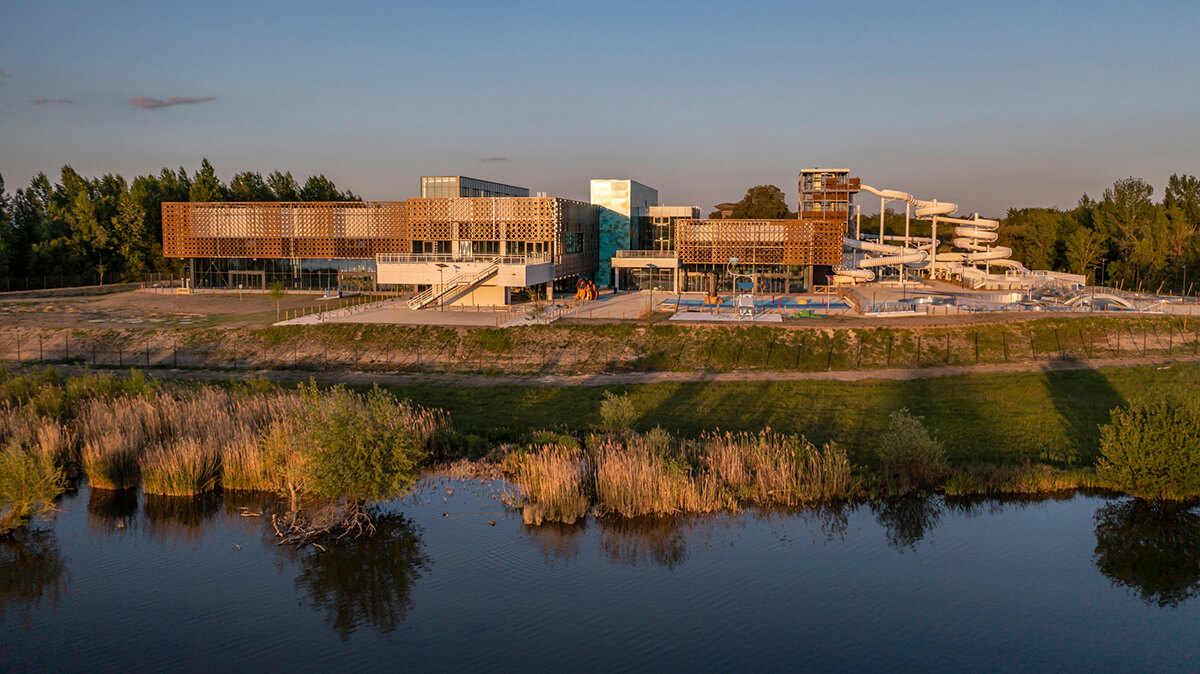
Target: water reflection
(112,511)
(366,580)
(639,541)
(906,521)
(32,571)
(1151,548)
(179,518)
(555,540)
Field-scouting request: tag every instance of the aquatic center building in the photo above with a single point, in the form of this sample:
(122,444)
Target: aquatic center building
(472,241)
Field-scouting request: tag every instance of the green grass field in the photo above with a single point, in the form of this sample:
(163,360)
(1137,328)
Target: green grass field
(1050,417)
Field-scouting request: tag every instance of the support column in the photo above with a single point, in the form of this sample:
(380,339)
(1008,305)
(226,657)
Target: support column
(550,291)
(676,280)
(933,250)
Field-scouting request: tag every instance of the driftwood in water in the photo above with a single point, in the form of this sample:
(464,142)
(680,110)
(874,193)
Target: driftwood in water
(338,519)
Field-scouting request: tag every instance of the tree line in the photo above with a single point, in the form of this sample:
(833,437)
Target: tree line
(110,228)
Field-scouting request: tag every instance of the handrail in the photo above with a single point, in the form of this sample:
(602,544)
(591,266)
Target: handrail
(395,258)
(468,278)
(647,253)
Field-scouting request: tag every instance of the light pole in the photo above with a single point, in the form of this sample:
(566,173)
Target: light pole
(651,267)
(441,284)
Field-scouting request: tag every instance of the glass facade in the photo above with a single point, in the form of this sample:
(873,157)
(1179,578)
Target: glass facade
(462,186)
(292,274)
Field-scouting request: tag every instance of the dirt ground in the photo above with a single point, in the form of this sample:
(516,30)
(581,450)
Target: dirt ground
(150,310)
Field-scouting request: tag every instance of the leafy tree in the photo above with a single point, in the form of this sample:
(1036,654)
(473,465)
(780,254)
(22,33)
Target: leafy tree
(1126,215)
(1151,449)
(277,294)
(205,185)
(6,231)
(129,230)
(249,186)
(1084,248)
(320,188)
(762,202)
(284,186)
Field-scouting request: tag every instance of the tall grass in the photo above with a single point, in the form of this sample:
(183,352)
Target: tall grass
(553,482)
(655,474)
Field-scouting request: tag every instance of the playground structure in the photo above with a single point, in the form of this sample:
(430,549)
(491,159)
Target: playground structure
(585,289)
(975,236)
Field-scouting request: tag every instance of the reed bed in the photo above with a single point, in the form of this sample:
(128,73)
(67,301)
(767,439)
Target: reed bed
(553,483)
(654,474)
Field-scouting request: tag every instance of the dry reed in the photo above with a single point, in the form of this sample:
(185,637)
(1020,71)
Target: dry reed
(654,474)
(552,482)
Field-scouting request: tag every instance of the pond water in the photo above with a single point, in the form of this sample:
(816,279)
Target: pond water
(1077,583)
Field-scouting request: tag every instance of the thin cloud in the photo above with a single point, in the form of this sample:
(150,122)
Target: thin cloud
(147,103)
(63,100)
(43,100)
(485,160)
(3,75)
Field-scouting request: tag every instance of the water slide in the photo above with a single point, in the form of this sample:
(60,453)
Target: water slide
(885,255)
(975,235)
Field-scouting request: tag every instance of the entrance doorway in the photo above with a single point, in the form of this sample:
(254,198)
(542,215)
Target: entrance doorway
(248,280)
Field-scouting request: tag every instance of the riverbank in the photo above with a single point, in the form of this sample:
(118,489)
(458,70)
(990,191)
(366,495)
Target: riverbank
(1013,433)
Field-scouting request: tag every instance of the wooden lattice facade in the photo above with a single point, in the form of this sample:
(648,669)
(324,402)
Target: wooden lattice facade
(319,230)
(759,242)
(564,230)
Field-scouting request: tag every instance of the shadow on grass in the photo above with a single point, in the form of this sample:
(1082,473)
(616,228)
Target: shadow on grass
(1083,398)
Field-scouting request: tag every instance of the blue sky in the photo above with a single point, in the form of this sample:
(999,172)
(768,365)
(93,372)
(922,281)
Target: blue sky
(990,105)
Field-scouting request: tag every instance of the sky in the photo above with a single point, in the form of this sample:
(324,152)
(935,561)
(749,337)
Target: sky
(989,105)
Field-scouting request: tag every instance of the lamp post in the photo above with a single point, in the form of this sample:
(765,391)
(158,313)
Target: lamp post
(441,284)
(651,267)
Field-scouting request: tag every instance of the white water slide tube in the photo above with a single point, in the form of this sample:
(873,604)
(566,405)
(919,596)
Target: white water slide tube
(975,235)
(886,255)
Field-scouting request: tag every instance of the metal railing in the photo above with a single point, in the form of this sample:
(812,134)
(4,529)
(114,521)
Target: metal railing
(399,258)
(464,279)
(647,253)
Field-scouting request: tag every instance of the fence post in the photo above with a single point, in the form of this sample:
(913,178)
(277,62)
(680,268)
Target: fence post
(175,351)
(41,352)
(67,342)
(18,347)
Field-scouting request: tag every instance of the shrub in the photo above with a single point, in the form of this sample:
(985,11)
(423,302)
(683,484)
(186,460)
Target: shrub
(362,449)
(29,482)
(1151,449)
(617,413)
(909,457)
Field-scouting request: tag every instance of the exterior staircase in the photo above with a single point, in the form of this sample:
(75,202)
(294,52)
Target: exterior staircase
(462,281)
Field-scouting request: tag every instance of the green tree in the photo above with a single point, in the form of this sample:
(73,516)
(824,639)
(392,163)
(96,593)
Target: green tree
(7,235)
(320,188)
(762,202)
(1084,248)
(1126,215)
(249,186)
(1151,449)
(129,230)
(277,294)
(205,185)
(284,186)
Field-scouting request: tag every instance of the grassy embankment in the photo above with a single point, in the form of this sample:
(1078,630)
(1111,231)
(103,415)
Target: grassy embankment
(586,349)
(1022,432)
